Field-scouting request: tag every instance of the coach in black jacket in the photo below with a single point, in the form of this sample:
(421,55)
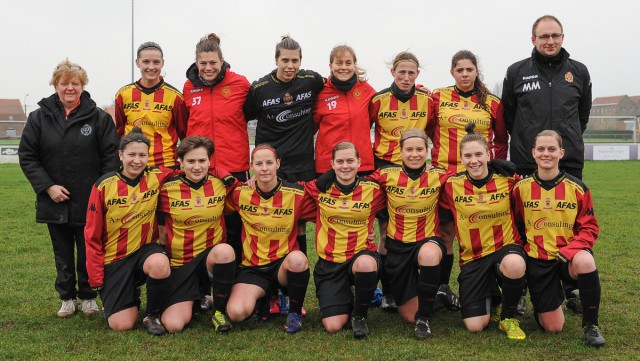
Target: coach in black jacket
(66,145)
(547,91)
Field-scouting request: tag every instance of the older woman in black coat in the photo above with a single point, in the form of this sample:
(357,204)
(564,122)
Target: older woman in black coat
(66,145)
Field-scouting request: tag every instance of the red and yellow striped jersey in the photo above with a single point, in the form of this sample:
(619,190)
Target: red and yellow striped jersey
(270,225)
(193,216)
(412,203)
(343,221)
(454,109)
(121,218)
(391,116)
(482,214)
(558,216)
(159,112)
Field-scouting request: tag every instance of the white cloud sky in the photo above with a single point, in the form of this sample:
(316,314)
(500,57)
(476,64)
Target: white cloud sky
(37,34)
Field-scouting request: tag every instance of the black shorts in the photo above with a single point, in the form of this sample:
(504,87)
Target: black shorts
(545,279)
(185,281)
(304,176)
(123,278)
(401,265)
(333,284)
(265,277)
(478,278)
(445,215)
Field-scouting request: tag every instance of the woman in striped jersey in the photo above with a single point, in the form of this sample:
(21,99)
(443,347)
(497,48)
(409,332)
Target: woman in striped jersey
(414,246)
(490,250)
(271,256)
(394,109)
(467,101)
(120,235)
(556,210)
(193,204)
(346,257)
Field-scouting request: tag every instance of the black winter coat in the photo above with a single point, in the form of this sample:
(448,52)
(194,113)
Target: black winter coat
(539,95)
(72,152)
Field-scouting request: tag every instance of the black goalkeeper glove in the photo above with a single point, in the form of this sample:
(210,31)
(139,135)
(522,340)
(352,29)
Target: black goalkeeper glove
(326,180)
(503,167)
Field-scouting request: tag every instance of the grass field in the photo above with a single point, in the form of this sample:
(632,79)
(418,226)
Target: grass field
(29,328)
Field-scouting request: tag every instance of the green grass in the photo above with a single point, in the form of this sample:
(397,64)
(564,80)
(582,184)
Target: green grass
(29,328)
(9,141)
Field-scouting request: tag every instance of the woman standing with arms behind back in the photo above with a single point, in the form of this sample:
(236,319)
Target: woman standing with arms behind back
(154,106)
(65,146)
(341,112)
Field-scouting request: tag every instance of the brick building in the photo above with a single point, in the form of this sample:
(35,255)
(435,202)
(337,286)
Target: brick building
(12,118)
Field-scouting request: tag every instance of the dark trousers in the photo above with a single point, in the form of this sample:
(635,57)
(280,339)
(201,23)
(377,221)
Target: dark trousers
(66,239)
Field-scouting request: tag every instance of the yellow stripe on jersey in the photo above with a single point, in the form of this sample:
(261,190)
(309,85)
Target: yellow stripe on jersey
(483,217)
(412,204)
(194,217)
(394,116)
(269,226)
(154,113)
(453,112)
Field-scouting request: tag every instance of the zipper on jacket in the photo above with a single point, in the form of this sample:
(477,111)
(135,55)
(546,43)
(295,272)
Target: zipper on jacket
(550,105)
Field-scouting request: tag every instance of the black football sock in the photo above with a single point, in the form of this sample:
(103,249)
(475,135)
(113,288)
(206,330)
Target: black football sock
(297,286)
(445,269)
(511,293)
(302,243)
(157,293)
(224,275)
(384,277)
(428,284)
(365,284)
(589,286)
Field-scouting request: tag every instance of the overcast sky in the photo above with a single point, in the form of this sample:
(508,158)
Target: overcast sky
(37,34)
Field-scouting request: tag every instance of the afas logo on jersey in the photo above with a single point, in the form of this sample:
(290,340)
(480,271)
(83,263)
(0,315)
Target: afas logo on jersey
(327,200)
(130,106)
(247,208)
(114,201)
(268,102)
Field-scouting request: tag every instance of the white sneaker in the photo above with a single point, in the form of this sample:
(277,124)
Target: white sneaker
(89,307)
(67,309)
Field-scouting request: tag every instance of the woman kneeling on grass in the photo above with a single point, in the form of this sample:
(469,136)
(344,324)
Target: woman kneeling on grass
(346,257)
(414,246)
(193,203)
(561,228)
(120,238)
(271,256)
(489,241)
